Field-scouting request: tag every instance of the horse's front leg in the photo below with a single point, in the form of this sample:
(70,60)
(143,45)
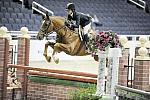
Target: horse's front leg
(45,49)
(48,58)
(58,47)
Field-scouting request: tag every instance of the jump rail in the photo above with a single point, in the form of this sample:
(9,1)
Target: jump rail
(61,74)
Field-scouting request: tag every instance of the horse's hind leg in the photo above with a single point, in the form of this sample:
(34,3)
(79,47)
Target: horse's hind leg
(45,49)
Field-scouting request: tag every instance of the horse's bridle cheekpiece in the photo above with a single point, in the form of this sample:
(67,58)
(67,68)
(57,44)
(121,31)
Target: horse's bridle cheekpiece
(46,29)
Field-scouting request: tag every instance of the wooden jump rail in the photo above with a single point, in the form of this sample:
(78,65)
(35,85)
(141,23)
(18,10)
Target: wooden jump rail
(60,74)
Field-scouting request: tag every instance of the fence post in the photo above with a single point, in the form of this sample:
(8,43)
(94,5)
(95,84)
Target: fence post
(102,55)
(23,58)
(23,47)
(122,71)
(141,74)
(4,51)
(142,67)
(113,64)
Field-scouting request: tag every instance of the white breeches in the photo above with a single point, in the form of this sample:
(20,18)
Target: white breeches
(87,28)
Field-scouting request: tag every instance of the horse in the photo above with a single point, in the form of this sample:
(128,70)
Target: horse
(67,39)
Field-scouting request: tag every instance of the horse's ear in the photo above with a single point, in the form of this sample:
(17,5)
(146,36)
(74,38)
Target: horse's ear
(43,17)
(47,17)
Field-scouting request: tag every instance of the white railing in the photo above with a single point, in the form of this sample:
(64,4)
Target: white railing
(40,9)
(32,34)
(135,37)
(132,43)
(132,94)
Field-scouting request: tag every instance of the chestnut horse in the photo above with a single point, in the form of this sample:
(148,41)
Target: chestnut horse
(67,40)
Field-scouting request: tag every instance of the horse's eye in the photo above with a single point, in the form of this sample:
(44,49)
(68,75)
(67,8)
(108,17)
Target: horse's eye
(47,24)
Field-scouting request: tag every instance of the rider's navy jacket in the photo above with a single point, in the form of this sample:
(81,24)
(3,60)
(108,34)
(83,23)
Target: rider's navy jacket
(80,19)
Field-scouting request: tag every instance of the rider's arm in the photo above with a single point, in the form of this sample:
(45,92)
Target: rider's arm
(68,21)
(68,18)
(77,22)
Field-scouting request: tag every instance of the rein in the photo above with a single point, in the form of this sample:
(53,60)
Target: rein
(55,30)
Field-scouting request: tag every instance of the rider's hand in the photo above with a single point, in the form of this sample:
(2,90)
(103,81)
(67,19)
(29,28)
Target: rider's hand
(71,26)
(66,23)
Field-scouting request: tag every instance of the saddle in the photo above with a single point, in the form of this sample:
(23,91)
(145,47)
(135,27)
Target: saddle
(83,37)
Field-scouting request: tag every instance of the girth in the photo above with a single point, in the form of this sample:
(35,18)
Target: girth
(80,47)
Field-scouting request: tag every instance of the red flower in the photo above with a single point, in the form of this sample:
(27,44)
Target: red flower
(105,39)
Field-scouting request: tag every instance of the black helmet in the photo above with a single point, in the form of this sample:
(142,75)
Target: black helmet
(70,6)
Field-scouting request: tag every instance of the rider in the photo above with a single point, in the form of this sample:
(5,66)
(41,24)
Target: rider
(78,20)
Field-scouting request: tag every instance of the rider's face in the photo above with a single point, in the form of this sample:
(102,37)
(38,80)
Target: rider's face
(69,12)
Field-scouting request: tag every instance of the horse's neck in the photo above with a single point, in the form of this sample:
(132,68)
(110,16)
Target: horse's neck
(59,25)
(57,21)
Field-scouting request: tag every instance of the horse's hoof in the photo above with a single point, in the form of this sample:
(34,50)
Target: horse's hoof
(56,61)
(48,59)
(96,57)
(44,54)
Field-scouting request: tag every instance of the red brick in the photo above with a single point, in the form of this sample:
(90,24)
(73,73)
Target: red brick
(141,75)
(122,72)
(4,49)
(50,91)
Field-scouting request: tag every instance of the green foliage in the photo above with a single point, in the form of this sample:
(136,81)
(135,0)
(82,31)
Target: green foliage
(51,80)
(84,93)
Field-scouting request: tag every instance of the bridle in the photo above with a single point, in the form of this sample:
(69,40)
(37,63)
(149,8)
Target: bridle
(45,33)
(46,29)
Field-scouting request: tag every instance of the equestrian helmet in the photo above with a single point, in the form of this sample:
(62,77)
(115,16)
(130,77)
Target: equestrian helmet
(70,6)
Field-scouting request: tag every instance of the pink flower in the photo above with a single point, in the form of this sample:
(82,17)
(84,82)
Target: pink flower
(105,39)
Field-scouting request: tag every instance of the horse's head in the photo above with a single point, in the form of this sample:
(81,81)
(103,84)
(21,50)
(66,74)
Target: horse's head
(46,27)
